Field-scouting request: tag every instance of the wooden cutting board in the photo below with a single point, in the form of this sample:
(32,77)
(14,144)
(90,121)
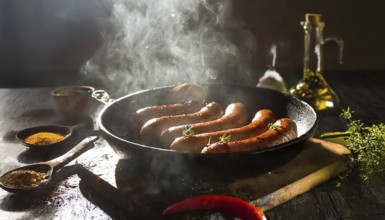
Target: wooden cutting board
(316,163)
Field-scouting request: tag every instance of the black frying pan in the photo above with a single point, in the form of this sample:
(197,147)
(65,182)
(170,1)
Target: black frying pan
(113,123)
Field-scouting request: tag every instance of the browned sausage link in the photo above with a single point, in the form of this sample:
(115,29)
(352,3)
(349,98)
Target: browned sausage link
(235,116)
(282,131)
(142,115)
(197,142)
(152,129)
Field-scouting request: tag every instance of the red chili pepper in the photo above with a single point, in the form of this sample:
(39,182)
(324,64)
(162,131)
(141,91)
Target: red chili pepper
(221,203)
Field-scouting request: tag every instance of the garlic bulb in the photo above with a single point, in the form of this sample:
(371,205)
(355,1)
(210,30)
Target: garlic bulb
(272,80)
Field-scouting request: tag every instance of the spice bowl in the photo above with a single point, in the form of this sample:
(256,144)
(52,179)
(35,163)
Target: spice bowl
(46,136)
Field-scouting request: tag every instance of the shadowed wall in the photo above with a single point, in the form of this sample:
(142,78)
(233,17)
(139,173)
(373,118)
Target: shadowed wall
(44,43)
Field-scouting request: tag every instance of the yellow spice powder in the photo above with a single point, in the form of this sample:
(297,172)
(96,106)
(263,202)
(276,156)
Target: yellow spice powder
(44,138)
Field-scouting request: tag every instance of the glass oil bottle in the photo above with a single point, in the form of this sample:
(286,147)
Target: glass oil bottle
(313,87)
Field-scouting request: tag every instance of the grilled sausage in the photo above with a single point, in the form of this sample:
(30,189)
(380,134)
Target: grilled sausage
(197,142)
(283,130)
(152,129)
(142,115)
(186,92)
(235,116)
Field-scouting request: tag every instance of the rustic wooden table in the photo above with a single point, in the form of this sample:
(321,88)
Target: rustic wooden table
(69,198)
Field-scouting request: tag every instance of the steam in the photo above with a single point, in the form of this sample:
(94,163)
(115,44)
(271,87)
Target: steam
(273,53)
(150,43)
(271,79)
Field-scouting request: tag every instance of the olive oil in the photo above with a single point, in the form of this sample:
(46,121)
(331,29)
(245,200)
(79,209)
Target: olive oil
(314,90)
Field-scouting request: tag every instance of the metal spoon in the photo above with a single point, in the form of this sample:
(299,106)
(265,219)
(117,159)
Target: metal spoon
(65,131)
(48,168)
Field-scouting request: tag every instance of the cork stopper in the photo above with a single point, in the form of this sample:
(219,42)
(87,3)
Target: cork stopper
(313,18)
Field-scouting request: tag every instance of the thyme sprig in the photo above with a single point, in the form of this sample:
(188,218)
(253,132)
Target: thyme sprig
(273,126)
(367,147)
(225,138)
(187,131)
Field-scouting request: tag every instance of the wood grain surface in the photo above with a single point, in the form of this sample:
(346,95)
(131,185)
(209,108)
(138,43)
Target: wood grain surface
(70,198)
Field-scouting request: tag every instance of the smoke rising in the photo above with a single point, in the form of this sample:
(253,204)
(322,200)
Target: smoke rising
(150,43)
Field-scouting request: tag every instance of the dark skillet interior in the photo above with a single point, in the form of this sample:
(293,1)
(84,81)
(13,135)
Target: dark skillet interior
(113,122)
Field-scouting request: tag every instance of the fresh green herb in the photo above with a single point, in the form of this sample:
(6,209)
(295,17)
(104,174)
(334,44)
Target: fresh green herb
(209,142)
(187,131)
(273,126)
(367,147)
(225,138)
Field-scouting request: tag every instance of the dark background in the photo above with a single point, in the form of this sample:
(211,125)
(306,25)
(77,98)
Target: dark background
(44,43)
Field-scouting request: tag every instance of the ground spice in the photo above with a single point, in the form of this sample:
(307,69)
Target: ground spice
(44,138)
(23,179)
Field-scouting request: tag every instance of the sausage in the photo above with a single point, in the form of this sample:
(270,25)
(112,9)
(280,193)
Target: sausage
(235,116)
(283,130)
(152,129)
(197,142)
(141,116)
(186,92)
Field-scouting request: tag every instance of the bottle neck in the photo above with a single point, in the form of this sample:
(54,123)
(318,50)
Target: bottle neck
(313,40)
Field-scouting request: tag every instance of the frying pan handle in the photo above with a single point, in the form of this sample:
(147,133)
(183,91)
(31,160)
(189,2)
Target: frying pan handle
(102,96)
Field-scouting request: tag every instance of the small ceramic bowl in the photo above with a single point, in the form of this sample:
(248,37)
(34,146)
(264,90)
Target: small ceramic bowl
(73,101)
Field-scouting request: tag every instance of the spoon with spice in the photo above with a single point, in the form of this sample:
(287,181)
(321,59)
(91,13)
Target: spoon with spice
(36,176)
(46,136)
